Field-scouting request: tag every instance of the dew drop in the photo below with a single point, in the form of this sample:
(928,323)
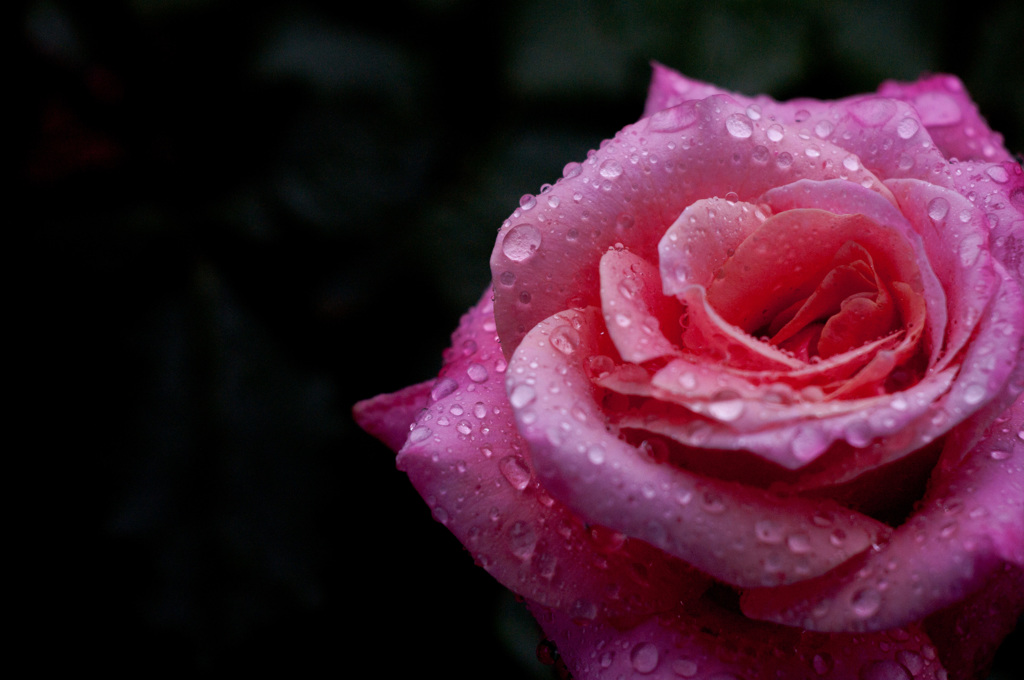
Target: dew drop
(565,339)
(713,503)
(571,170)
(476,372)
(522,395)
(673,119)
(419,434)
(799,543)
(851,163)
(684,668)
(998,174)
(522,540)
(768,531)
(514,472)
(937,208)
(873,111)
(739,126)
(644,658)
(907,128)
(973,394)
(480,410)
(865,602)
(595,454)
(521,242)
(910,660)
(823,663)
(527,202)
(443,388)
(726,411)
(784,160)
(610,169)
(775,132)
(824,128)
(999,455)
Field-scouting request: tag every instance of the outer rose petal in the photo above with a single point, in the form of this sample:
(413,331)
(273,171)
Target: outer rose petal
(703,641)
(467,461)
(389,417)
(971,522)
(739,534)
(951,117)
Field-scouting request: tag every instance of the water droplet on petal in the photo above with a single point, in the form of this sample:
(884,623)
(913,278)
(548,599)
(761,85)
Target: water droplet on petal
(521,242)
(823,663)
(684,668)
(522,540)
(873,111)
(768,531)
(443,388)
(565,339)
(522,395)
(739,126)
(644,657)
(476,373)
(999,455)
(865,602)
(775,132)
(726,411)
(937,208)
(851,163)
(907,128)
(514,472)
(824,128)
(571,170)
(998,174)
(610,169)
(527,202)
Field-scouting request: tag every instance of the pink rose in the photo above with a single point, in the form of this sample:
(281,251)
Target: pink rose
(744,400)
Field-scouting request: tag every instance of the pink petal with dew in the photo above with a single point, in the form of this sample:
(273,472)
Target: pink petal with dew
(630,191)
(883,133)
(996,190)
(795,435)
(466,459)
(637,314)
(956,244)
(705,641)
(735,533)
(952,118)
(389,417)
(910,257)
(702,239)
(969,524)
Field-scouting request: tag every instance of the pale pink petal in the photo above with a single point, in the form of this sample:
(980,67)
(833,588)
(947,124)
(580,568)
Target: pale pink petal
(738,534)
(389,417)
(951,117)
(466,459)
(846,198)
(630,191)
(670,88)
(705,641)
(970,522)
(637,314)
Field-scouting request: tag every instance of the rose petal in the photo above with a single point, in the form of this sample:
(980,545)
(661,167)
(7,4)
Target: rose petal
(715,526)
(968,633)
(388,417)
(951,117)
(467,461)
(637,314)
(704,641)
(546,258)
(968,524)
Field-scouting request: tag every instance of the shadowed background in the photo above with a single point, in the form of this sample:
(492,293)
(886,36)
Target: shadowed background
(245,216)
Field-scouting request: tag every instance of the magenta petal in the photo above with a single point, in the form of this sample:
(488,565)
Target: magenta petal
(738,534)
(389,417)
(704,641)
(970,523)
(636,312)
(466,459)
(951,117)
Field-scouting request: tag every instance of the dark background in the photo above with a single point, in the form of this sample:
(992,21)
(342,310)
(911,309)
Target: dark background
(242,217)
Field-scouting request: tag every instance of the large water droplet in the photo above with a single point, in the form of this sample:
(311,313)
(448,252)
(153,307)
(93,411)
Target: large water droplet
(610,169)
(522,540)
(739,126)
(644,657)
(514,472)
(522,395)
(521,242)
(673,119)
(565,339)
(865,602)
(907,128)
(998,174)
(873,111)
(476,372)
(443,388)
(726,411)
(937,208)
(571,170)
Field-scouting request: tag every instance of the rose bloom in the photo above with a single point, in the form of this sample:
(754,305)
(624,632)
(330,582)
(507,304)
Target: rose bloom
(744,398)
